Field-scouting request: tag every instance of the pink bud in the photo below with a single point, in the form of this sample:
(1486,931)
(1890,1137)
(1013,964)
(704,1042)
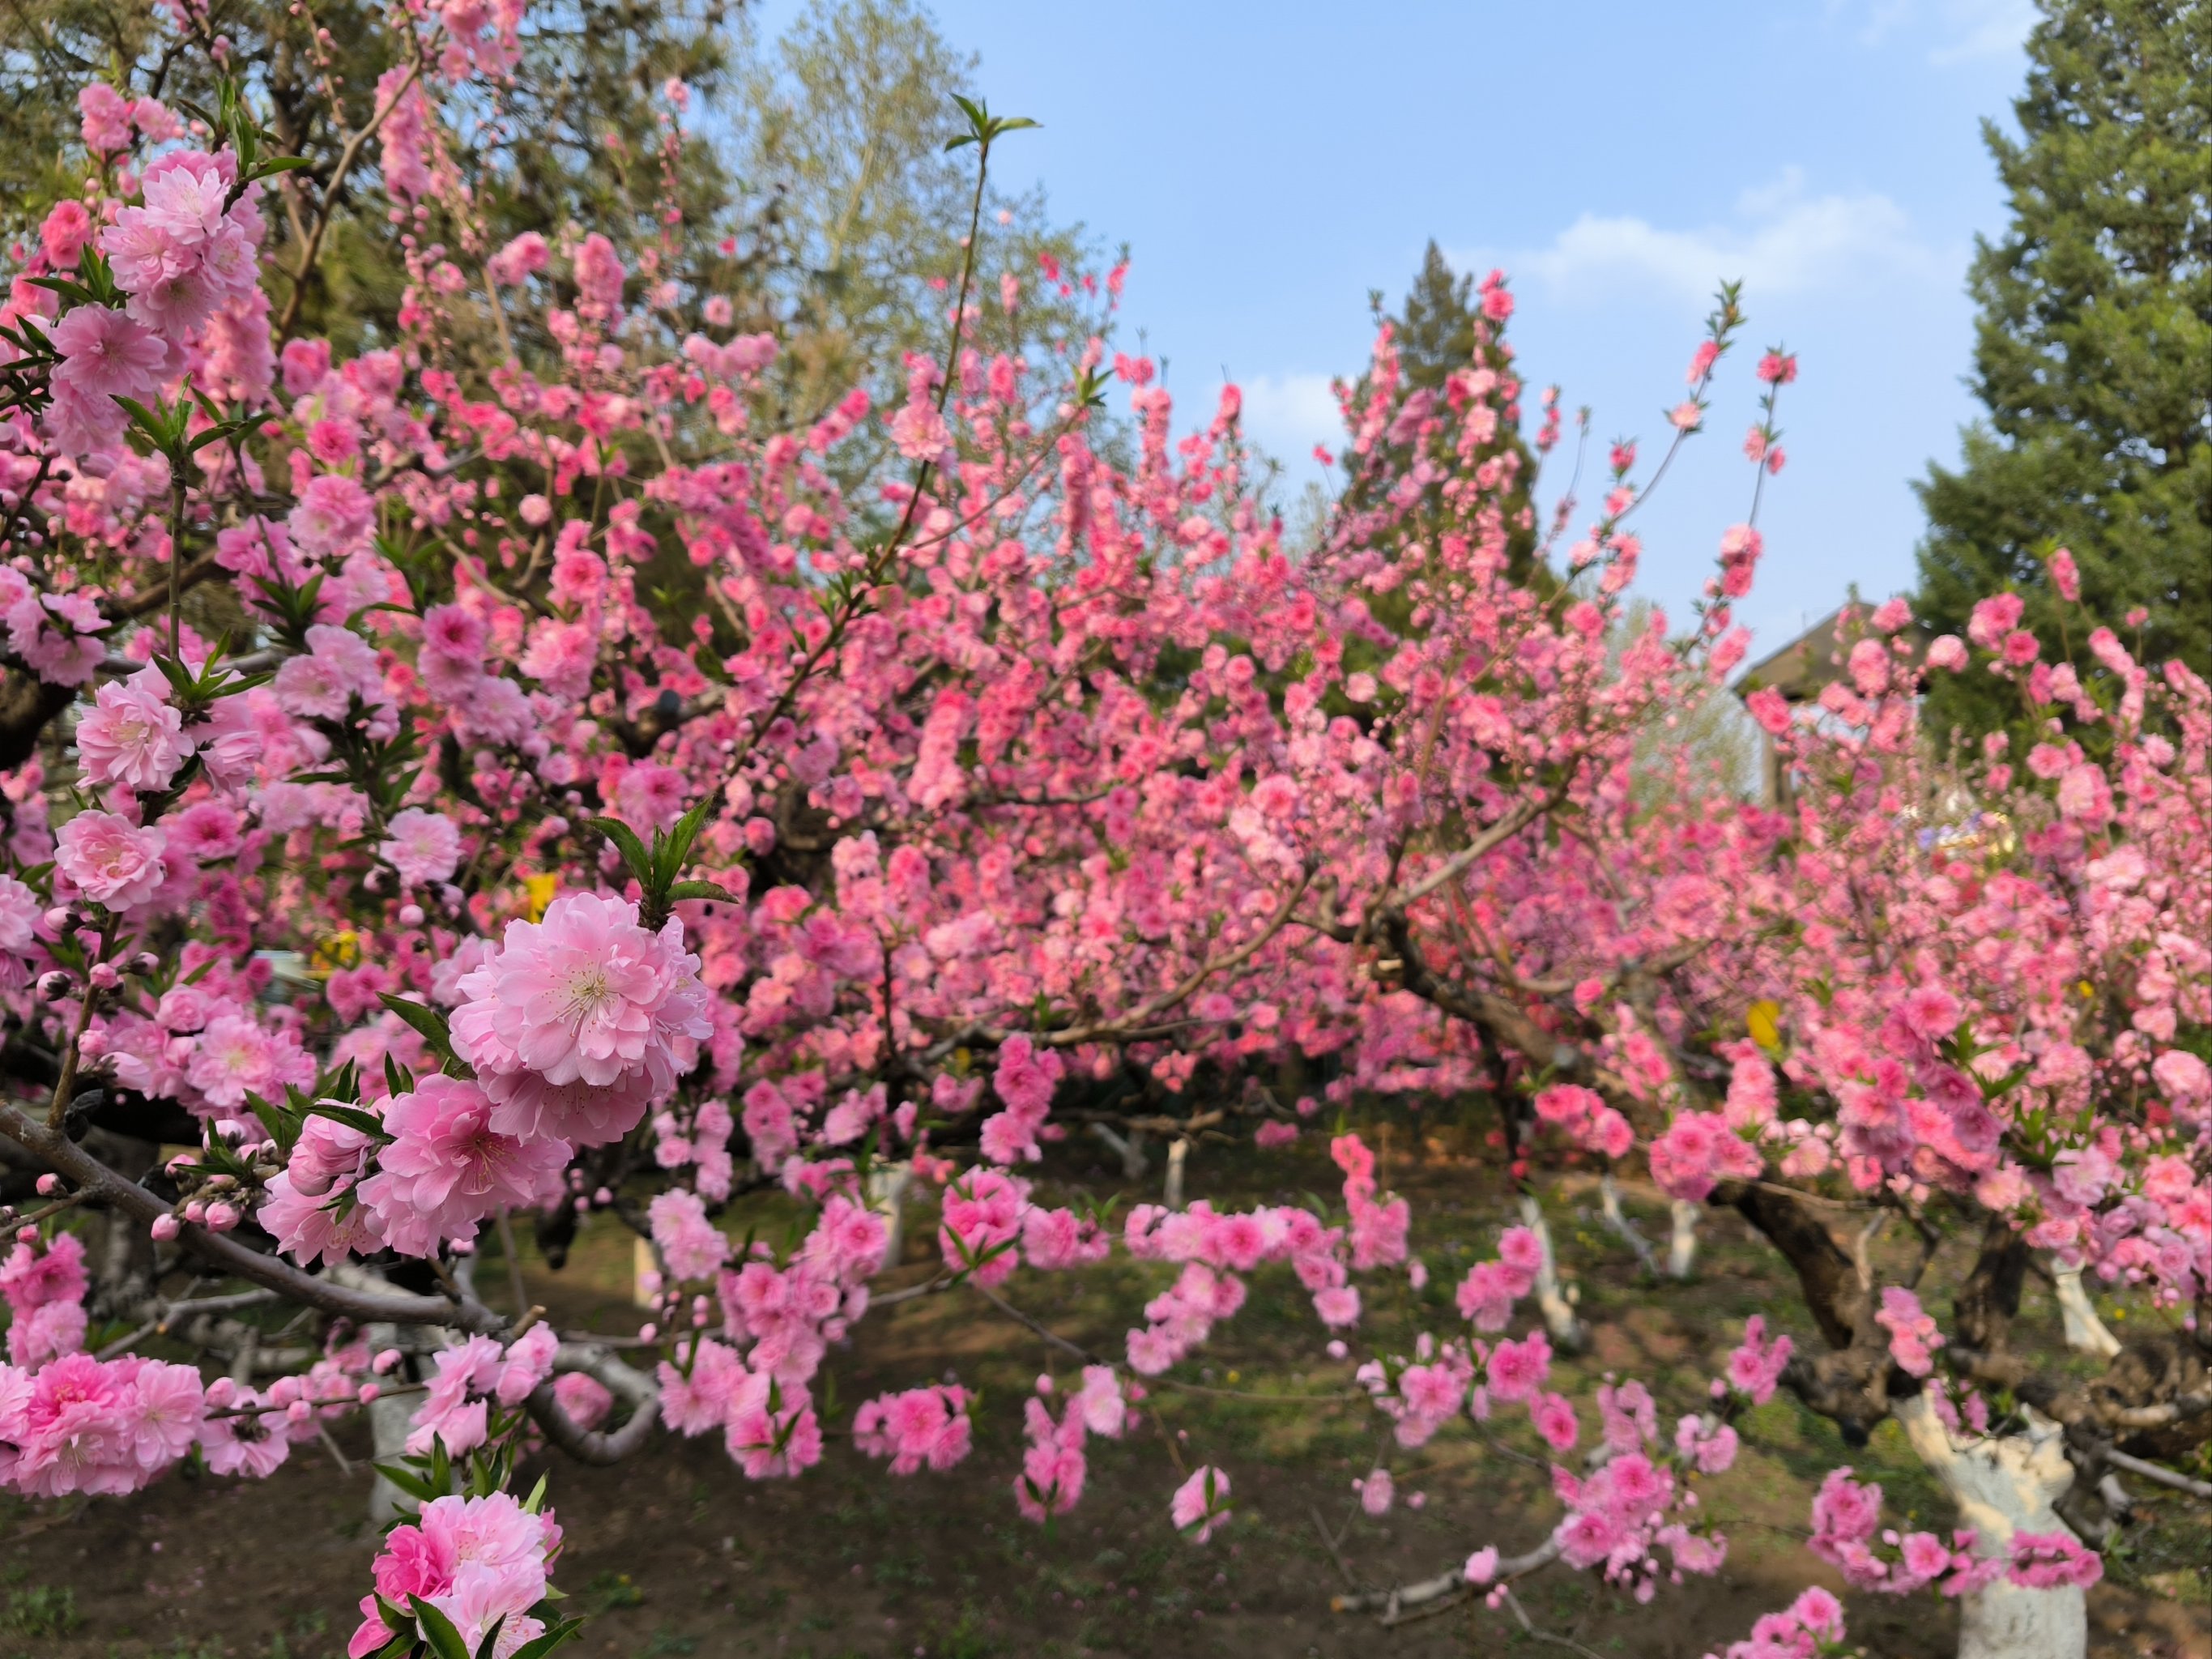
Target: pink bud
(384,1362)
(104,977)
(196,1211)
(221,1216)
(165,1228)
(49,1185)
(27,1235)
(368,1392)
(649,1333)
(411,915)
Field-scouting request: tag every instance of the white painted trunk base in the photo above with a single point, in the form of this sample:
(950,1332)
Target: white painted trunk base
(387,1427)
(1682,1239)
(2085,1332)
(1178,1155)
(887,1185)
(2001,1486)
(1556,1305)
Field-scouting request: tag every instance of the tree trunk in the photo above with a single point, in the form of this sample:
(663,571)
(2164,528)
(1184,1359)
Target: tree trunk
(2001,1486)
(1129,1148)
(1617,1218)
(887,1185)
(1565,1330)
(2085,1332)
(1682,1239)
(388,1422)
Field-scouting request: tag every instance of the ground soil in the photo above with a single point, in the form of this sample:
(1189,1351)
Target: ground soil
(675,1553)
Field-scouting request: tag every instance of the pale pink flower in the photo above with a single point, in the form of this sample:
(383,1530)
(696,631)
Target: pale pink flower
(422,846)
(131,737)
(111,860)
(332,516)
(106,355)
(447,1169)
(585,996)
(1201,1505)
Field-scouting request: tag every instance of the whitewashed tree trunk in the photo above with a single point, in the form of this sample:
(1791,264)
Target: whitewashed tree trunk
(1565,1330)
(1682,1239)
(1617,1218)
(2001,1486)
(1129,1148)
(645,1275)
(387,1427)
(1178,1155)
(887,1185)
(2085,1332)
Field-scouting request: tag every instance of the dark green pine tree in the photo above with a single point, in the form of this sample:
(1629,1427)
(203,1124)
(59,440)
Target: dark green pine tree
(2094,350)
(1435,332)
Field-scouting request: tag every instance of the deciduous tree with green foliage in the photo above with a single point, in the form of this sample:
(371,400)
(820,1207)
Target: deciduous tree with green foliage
(2093,355)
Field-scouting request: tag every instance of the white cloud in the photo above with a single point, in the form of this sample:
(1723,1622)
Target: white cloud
(1985,28)
(1781,241)
(1288,414)
(1955,31)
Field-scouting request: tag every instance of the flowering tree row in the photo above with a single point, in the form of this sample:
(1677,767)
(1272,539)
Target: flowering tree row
(504,776)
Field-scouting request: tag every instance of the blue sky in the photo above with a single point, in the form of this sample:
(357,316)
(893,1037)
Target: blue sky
(1269,164)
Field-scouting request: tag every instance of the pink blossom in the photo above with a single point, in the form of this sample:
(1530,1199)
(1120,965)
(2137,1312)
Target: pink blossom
(584,996)
(131,737)
(422,846)
(1201,1505)
(106,355)
(111,860)
(447,1169)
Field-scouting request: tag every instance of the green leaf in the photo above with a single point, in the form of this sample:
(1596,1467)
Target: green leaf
(430,1022)
(700,890)
(352,1116)
(631,848)
(539,1647)
(408,1481)
(438,1630)
(489,1645)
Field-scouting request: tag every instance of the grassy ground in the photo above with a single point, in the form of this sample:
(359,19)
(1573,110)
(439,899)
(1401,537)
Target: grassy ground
(676,1553)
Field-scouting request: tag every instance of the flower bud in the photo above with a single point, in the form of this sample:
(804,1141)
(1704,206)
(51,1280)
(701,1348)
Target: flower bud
(49,1184)
(221,1216)
(104,977)
(165,1228)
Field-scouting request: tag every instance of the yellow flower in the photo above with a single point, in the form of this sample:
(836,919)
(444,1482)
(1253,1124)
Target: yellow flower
(341,950)
(1763,1020)
(537,892)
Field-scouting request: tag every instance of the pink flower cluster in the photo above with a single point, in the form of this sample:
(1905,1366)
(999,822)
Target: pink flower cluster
(1488,1292)
(1696,1150)
(44,1283)
(1811,1626)
(1755,1365)
(473,1379)
(1846,1514)
(921,1425)
(1584,1116)
(1025,1080)
(2046,1560)
(447,1169)
(1053,1467)
(476,1560)
(1913,1337)
(80,1424)
(581,1021)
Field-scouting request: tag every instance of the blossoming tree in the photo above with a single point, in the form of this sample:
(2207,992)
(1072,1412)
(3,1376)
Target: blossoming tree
(501,777)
